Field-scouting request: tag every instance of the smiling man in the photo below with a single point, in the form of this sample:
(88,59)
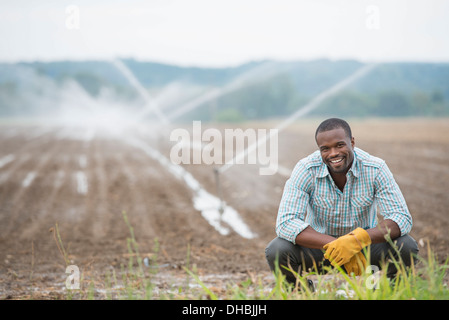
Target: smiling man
(327,215)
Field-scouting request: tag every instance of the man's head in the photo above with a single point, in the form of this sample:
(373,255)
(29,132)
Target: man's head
(336,144)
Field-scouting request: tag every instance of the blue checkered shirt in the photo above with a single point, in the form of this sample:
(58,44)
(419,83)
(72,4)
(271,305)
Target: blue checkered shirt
(311,198)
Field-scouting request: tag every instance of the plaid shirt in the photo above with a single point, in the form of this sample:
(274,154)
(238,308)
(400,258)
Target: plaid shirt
(311,198)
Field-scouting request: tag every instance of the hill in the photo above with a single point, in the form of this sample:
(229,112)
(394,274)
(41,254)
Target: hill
(255,90)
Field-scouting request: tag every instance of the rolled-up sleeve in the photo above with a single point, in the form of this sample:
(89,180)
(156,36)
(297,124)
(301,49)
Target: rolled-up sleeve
(293,206)
(391,202)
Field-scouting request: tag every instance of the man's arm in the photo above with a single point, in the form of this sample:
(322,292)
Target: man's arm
(310,238)
(383,229)
(392,207)
(292,211)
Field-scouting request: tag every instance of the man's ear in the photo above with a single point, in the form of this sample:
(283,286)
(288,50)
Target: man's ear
(352,142)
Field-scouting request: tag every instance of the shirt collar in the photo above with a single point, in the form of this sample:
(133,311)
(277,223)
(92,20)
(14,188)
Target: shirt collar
(355,168)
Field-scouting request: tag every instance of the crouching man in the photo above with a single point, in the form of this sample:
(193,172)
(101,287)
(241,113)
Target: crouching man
(327,213)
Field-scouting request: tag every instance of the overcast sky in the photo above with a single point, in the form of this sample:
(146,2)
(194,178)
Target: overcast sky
(225,32)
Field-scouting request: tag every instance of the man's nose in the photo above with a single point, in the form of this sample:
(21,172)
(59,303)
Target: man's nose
(333,152)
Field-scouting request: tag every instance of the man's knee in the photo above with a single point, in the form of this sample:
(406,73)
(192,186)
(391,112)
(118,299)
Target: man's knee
(281,254)
(278,250)
(408,248)
(288,254)
(404,250)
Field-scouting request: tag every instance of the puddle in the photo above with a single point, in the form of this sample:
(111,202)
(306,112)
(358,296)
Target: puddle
(28,179)
(6,159)
(81,180)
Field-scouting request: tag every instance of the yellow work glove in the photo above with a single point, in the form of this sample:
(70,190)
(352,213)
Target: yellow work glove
(341,250)
(356,265)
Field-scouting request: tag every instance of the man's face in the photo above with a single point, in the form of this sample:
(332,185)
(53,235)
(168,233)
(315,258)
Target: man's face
(336,149)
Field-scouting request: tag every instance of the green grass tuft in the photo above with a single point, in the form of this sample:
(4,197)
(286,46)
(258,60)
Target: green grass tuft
(427,280)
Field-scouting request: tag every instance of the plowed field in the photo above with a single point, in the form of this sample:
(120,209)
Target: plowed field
(83,180)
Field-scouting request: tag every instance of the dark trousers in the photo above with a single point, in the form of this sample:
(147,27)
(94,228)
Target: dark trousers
(301,259)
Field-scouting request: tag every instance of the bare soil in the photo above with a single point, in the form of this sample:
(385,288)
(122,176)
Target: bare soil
(40,188)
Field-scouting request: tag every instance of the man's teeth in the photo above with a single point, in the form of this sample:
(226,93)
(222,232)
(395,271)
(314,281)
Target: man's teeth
(336,161)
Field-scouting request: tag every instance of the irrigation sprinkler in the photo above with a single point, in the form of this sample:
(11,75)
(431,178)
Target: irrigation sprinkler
(215,93)
(314,103)
(202,198)
(264,70)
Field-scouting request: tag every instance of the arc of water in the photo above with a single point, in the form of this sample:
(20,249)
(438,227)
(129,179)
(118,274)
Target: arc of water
(141,90)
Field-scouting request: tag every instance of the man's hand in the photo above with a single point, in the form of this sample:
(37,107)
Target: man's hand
(341,250)
(356,265)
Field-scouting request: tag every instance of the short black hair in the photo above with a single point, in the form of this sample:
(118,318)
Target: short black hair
(334,123)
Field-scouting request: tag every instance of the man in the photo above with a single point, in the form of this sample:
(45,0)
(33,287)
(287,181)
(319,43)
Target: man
(327,215)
